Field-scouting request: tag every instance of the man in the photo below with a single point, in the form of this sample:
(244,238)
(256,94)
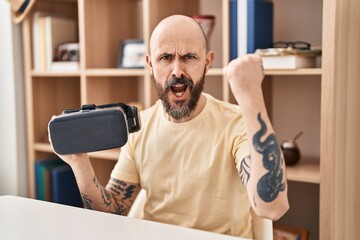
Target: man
(203,162)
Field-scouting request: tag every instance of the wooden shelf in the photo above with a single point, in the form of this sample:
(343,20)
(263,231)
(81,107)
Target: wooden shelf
(299,71)
(111,154)
(43,147)
(115,72)
(55,74)
(292,72)
(307,170)
(215,72)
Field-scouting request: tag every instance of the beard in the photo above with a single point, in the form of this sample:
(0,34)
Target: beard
(181,108)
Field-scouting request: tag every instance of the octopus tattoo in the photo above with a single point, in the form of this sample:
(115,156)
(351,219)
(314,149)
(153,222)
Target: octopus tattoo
(271,183)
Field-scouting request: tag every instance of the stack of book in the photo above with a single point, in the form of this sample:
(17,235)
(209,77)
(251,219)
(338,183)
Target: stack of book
(277,59)
(50,31)
(55,182)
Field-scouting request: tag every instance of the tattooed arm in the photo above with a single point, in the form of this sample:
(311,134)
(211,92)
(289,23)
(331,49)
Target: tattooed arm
(117,197)
(263,171)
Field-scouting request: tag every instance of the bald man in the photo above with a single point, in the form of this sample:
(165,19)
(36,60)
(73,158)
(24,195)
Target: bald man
(204,163)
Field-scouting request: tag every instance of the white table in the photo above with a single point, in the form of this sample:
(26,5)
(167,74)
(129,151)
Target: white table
(24,218)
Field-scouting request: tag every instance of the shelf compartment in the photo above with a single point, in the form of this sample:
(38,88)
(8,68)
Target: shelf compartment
(295,107)
(115,89)
(107,23)
(214,86)
(307,170)
(68,9)
(51,95)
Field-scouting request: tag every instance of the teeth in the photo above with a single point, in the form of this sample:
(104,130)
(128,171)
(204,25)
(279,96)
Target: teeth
(179,94)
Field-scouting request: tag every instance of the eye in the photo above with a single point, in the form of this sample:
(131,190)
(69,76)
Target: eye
(189,56)
(166,57)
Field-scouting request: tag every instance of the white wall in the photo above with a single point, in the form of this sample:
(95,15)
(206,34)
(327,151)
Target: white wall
(13,164)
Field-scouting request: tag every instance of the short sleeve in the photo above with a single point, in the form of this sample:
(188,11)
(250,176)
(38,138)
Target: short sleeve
(241,150)
(240,143)
(125,168)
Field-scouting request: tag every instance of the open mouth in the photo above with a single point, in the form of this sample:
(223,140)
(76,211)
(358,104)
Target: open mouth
(179,90)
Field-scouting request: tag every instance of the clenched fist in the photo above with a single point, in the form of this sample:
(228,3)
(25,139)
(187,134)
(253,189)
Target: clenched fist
(245,75)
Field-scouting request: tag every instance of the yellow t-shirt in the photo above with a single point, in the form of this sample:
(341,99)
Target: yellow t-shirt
(189,170)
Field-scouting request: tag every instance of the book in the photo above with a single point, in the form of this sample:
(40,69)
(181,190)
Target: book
(242,27)
(43,177)
(64,186)
(288,62)
(259,25)
(37,40)
(251,26)
(233,29)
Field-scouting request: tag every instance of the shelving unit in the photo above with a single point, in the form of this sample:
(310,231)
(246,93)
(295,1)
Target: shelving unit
(102,25)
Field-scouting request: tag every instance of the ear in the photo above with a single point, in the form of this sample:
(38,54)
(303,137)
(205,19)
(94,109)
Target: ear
(149,63)
(148,60)
(209,59)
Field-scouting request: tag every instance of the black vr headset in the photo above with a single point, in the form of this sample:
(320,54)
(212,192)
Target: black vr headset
(93,128)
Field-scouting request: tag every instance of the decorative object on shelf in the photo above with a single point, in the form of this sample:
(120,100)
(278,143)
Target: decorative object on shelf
(132,54)
(66,57)
(282,232)
(207,23)
(291,150)
(20,8)
(67,52)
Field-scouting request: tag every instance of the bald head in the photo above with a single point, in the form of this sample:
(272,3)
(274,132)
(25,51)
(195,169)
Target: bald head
(178,28)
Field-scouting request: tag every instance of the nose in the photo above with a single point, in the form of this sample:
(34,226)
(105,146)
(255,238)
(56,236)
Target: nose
(177,69)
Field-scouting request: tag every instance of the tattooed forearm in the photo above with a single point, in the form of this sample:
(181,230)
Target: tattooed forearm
(105,196)
(124,195)
(117,197)
(272,182)
(245,169)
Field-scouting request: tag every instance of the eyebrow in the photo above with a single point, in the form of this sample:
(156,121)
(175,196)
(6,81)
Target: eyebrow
(182,55)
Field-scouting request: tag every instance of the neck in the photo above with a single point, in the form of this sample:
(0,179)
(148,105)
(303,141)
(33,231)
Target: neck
(199,107)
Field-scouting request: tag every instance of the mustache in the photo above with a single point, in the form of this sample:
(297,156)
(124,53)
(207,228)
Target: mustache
(182,80)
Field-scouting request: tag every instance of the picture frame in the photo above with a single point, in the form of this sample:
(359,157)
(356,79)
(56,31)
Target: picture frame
(282,232)
(132,54)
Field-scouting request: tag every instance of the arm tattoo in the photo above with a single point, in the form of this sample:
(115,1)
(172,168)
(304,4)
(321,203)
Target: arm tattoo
(106,197)
(245,169)
(116,199)
(271,183)
(87,201)
(123,192)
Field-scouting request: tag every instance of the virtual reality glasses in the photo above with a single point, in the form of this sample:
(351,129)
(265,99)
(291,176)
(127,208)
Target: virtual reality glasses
(93,128)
